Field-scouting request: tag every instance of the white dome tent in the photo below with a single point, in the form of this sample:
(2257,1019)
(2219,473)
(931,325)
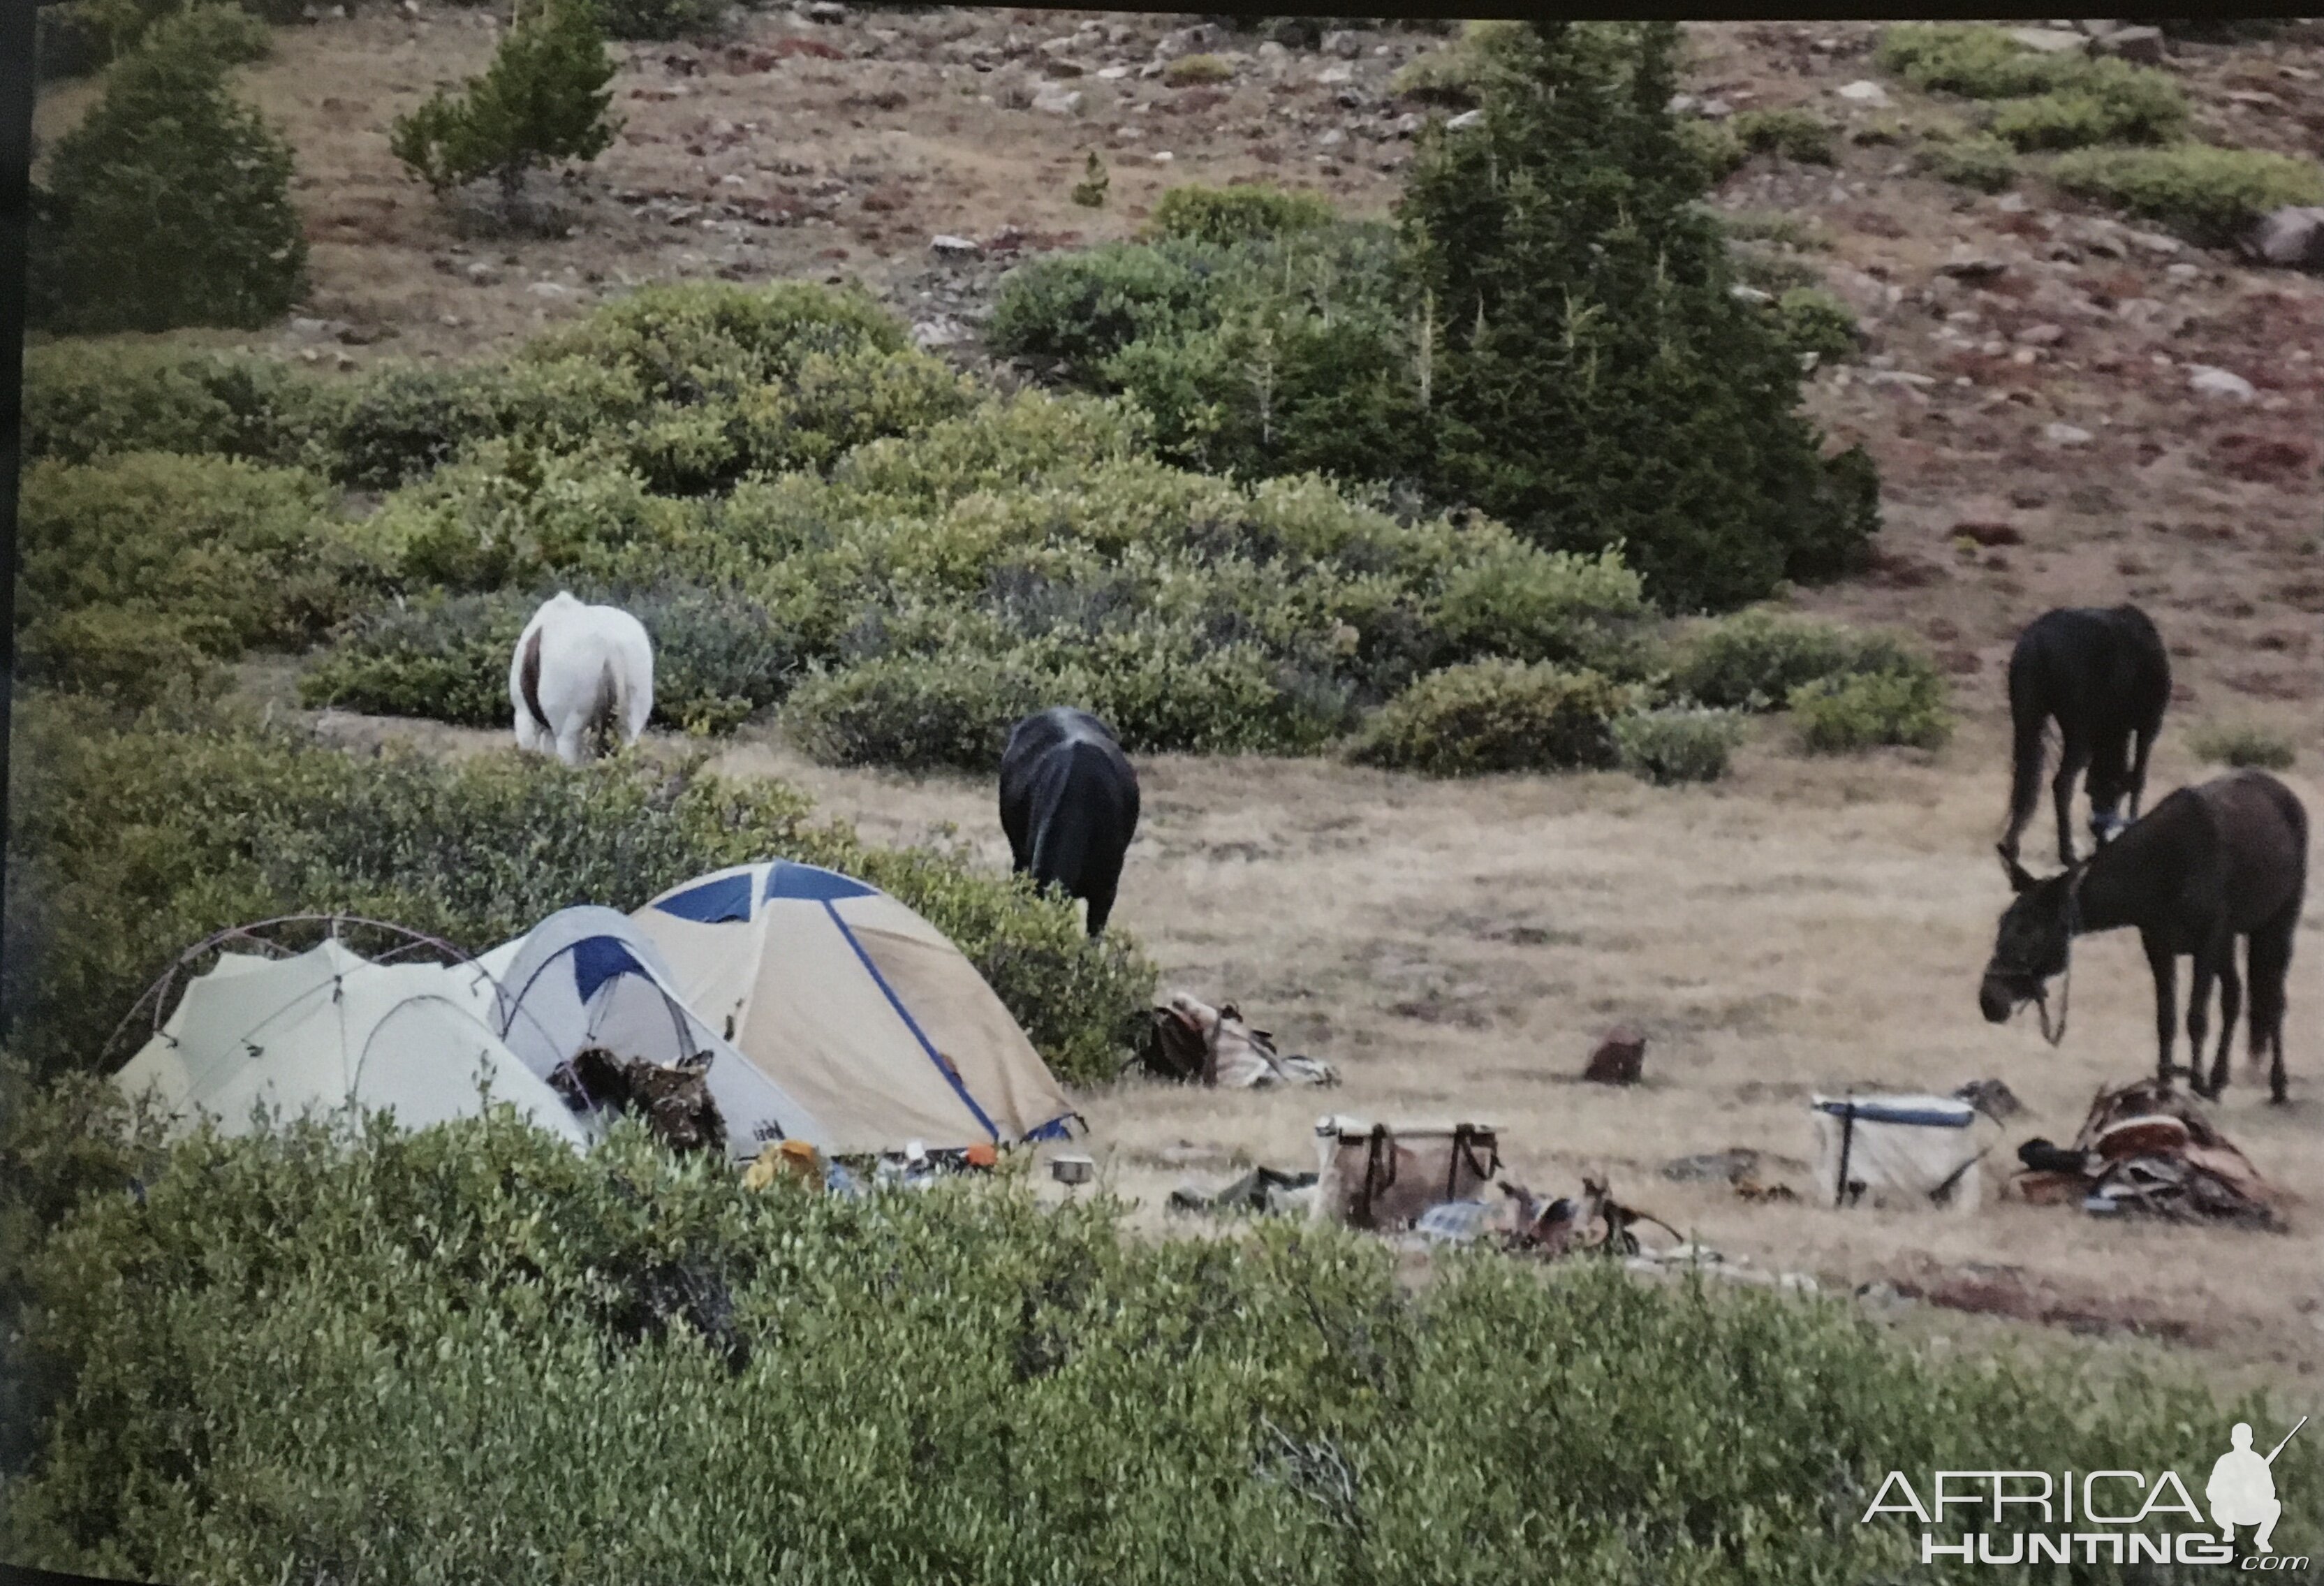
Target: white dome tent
(851,1002)
(588,977)
(328,1030)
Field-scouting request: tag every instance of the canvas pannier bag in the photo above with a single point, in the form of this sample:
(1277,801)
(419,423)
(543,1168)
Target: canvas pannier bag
(1382,1177)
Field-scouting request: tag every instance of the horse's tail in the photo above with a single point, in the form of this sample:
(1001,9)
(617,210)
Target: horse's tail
(529,680)
(609,713)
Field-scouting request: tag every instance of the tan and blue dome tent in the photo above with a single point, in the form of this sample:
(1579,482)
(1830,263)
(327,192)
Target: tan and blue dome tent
(326,1030)
(856,1007)
(587,977)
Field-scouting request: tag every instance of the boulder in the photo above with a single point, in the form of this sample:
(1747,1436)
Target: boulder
(2205,380)
(1619,1059)
(2142,45)
(2290,238)
(2050,41)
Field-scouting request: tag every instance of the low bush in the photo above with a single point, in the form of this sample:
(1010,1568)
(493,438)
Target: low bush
(1836,714)
(1754,660)
(1189,69)
(1678,744)
(229,554)
(1791,133)
(130,658)
(133,840)
(1813,321)
(2111,102)
(1222,217)
(1453,73)
(1718,154)
(517,1346)
(1497,716)
(2210,196)
(718,657)
(1978,161)
(1778,227)
(86,399)
(2242,744)
(1974,61)
(917,713)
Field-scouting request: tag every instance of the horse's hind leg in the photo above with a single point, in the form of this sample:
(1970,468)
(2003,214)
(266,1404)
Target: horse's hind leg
(2231,1002)
(2165,966)
(2270,964)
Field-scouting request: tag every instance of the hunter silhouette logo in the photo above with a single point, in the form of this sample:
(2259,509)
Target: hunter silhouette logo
(2118,1517)
(2242,1489)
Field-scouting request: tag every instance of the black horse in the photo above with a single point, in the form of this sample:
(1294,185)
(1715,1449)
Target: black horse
(2103,676)
(2208,864)
(1069,804)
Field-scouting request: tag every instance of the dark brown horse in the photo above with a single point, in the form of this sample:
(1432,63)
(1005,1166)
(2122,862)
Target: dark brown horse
(674,1100)
(2206,865)
(2105,678)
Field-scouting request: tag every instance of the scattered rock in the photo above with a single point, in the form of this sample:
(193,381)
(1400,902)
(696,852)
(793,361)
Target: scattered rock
(1680,104)
(550,289)
(1619,1059)
(1112,74)
(931,333)
(2141,44)
(1712,1167)
(1865,91)
(2067,435)
(1343,44)
(1987,533)
(826,11)
(2050,41)
(1973,267)
(480,273)
(954,246)
(2290,238)
(2153,242)
(1331,139)
(1750,294)
(1714,109)
(1055,101)
(2040,336)
(1899,377)
(2183,274)
(1467,118)
(2205,380)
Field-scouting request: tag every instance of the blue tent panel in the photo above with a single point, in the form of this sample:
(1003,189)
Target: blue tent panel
(1923,1117)
(811,884)
(598,959)
(712,902)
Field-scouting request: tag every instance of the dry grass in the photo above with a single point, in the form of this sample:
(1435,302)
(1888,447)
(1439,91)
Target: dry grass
(1455,948)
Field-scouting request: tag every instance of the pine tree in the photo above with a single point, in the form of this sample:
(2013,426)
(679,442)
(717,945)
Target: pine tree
(542,100)
(1594,379)
(170,204)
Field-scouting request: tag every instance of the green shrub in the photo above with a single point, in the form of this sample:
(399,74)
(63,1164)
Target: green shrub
(1678,744)
(1778,227)
(1717,152)
(169,205)
(717,657)
(963,1385)
(1084,308)
(1974,61)
(1755,660)
(1840,714)
(1222,217)
(2243,743)
(915,713)
(1791,133)
(84,400)
(132,842)
(1497,716)
(2208,194)
(1980,160)
(1814,322)
(233,554)
(541,102)
(2108,101)
(1454,73)
(1772,270)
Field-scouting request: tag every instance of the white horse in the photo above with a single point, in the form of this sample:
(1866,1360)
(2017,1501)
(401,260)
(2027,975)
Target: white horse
(580,670)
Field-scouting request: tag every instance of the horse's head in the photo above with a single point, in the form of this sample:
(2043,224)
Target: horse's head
(2029,945)
(678,1104)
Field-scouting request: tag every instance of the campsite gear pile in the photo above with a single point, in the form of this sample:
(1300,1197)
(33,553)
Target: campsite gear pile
(2146,1151)
(1384,1178)
(1190,1042)
(1909,1150)
(1594,1222)
(767,1005)
(1261,1191)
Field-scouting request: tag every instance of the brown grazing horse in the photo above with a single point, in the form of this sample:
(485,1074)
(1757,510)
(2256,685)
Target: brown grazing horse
(2208,864)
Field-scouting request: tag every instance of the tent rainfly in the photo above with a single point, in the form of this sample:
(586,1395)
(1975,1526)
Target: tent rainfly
(588,977)
(857,1006)
(328,1029)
